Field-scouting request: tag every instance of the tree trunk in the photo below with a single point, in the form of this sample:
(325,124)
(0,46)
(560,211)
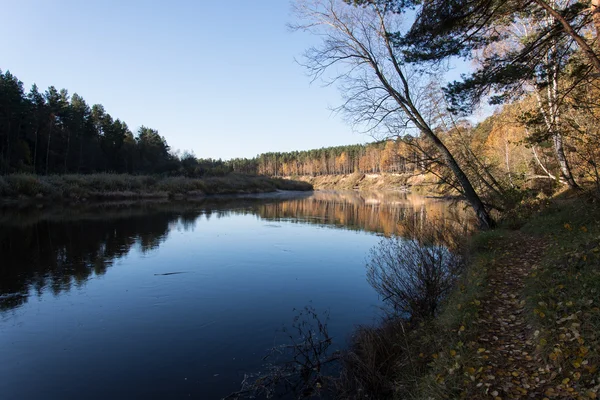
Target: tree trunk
(551,115)
(80,154)
(483,216)
(539,162)
(35,147)
(48,147)
(595,7)
(7,157)
(507,161)
(565,169)
(66,166)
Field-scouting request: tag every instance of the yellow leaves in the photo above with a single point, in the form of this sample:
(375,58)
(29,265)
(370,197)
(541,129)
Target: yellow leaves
(566,381)
(515,374)
(553,356)
(480,350)
(470,370)
(522,390)
(543,342)
(477,302)
(452,353)
(568,227)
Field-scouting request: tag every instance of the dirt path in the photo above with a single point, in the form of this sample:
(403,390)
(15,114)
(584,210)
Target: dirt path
(506,349)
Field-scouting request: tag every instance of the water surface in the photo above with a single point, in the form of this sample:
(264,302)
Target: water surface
(179,300)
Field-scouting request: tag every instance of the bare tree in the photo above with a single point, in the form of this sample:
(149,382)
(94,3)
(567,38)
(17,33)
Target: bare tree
(381,92)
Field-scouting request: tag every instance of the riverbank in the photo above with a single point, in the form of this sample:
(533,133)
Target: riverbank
(423,184)
(19,187)
(522,322)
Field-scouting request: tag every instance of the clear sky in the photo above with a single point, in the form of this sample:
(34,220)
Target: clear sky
(216,77)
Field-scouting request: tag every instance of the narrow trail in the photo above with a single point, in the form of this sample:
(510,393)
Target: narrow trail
(506,345)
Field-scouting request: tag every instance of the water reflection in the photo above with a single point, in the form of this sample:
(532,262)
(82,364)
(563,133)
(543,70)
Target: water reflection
(382,212)
(63,254)
(61,248)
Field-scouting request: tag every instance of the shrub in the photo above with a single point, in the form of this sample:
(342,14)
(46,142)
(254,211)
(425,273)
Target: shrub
(4,187)
(415,274)
(371,364)
(28,185)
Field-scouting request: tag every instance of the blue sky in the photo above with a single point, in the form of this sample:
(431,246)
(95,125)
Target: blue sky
(215,77)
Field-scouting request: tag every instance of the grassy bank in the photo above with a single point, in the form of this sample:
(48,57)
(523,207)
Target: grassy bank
(117,186)
(523,321)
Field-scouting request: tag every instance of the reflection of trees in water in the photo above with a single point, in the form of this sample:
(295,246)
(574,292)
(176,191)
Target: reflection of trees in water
(62,248)
(382,212)
(60,255)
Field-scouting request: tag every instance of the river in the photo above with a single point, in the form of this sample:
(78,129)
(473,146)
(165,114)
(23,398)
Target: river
(179,300)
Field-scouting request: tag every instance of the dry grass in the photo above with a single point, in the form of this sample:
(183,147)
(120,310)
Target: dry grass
(121,186)
(383,181)
(442,357)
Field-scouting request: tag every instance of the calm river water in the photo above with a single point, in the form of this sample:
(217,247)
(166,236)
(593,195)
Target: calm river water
(180,300)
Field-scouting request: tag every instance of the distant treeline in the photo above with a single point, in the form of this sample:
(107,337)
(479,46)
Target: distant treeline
(53,132)
(387,156)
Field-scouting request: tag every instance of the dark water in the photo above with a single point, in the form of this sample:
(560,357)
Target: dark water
(179,300)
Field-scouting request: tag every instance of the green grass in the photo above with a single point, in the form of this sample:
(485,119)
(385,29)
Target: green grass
(120,186)
(563,295)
